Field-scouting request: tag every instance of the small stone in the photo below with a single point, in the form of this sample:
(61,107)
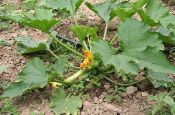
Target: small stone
(111,107)
(131,90)
(87,104)
(113,24)
(96,100)
(145,94)
(107,86)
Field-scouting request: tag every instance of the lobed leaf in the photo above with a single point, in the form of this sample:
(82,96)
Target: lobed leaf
(139,50)
(26,45)
(159,79)
(42,19)
(70,5)
(32,76)
(60,103)
(157,14)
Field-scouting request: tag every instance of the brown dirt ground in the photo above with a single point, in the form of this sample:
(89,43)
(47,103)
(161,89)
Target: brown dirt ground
(38,101)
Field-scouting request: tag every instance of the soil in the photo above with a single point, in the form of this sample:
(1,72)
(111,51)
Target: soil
(134,101)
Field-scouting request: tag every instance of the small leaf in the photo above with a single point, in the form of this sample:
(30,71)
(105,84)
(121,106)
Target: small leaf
(26,45)
(60,65)
(82,32)
(60,103)
(169,100)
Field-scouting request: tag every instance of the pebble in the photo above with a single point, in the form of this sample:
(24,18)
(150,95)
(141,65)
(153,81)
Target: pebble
(145,94)
(111,107)
(131,90)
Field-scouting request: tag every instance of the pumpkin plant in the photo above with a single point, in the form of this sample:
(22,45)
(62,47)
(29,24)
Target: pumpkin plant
(141,48)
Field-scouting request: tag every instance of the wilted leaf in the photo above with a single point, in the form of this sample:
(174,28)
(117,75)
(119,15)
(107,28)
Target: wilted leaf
(27,45)
(139,50)
(61,103)
(32,76)
(82,32)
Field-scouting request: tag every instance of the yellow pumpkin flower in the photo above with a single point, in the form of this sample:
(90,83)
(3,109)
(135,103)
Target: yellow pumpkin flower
(88,61)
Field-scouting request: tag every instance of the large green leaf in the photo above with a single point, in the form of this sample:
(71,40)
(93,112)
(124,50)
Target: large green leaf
(137,35)
(159,79)
(141,49)
(109,9)
(34,73)
(70,5)
(15,89)
(102,9)
(156,10)
(83,31)
(42,19)
(61,103)
(27,45)
(157,14)
(43,25)
(32,76)
(125,9)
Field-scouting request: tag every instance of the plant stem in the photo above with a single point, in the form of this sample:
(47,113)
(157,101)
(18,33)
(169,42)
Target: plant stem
(65,46)
(105,32)
(113,39)
(74,76)
(85,45)
(121,84)
(51,52)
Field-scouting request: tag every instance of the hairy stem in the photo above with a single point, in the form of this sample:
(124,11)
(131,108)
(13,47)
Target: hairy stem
(66,47)
(105,32)
(113,39)
(74,76)
(121,84)
(51,52)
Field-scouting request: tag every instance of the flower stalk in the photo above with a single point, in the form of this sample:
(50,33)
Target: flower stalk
(65,46)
